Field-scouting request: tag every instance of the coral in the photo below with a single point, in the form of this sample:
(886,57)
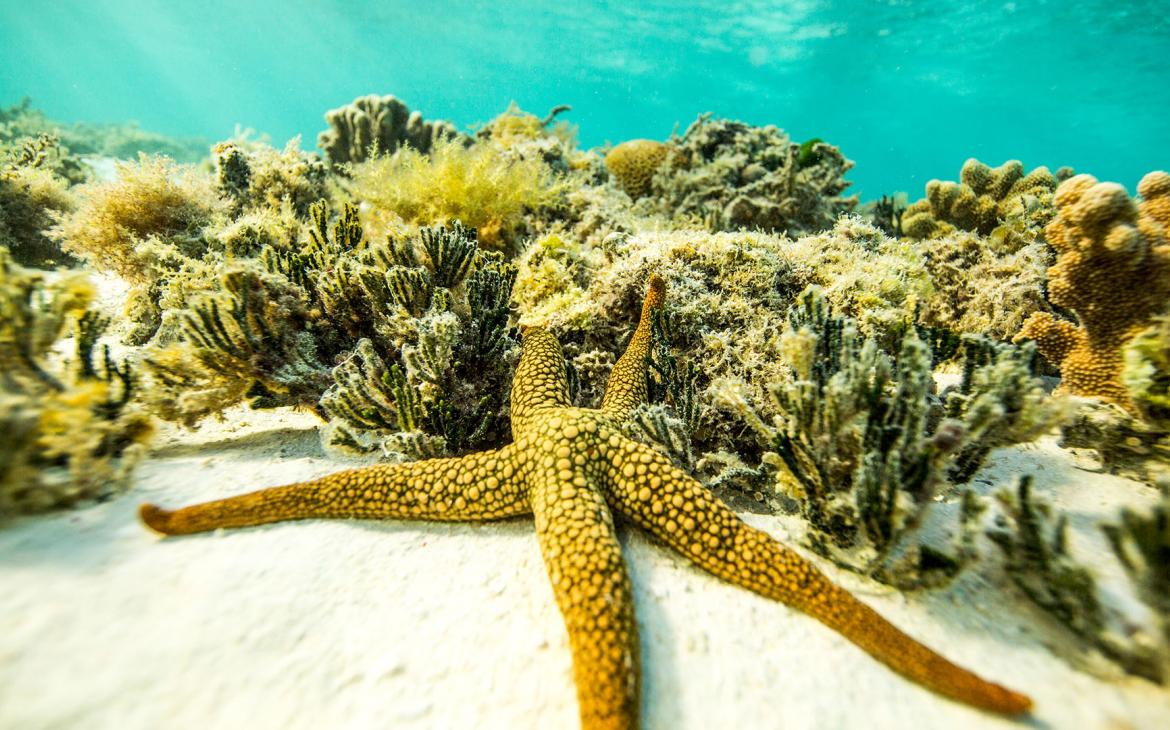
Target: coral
(348,329)
(857,443)
(375,125)
(1113,271)
(570,467)
(1040,563)
(634,163)
(982,200)
(482,186)
(31,193)
(71,429)
(734,176)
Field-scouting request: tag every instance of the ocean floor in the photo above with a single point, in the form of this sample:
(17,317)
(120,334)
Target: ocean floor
(420,625)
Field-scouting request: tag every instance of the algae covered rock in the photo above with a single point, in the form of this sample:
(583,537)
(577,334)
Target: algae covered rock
(733,175)
(32,195)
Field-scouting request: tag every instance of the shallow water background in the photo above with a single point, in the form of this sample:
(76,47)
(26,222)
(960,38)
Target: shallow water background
(907,88)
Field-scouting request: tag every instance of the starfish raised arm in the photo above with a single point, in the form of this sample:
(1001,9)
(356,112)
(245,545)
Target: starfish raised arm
(626,388)
(476,487)
(644,486)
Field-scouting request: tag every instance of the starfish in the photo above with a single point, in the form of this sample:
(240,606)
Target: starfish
(571,468)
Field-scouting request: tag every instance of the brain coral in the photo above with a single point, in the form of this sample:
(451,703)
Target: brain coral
(1113,271)
(633,163)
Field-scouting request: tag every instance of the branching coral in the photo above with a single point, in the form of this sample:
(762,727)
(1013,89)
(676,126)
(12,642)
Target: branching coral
(482,185)
(983,199)
(31,193)
(1113,271)
(1039,560)
(71,429)
(374,125)
(736,176)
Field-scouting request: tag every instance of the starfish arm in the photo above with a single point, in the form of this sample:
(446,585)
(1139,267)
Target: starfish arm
(540,381)
(592,589)
(476,487)
(643,485)
(626,388)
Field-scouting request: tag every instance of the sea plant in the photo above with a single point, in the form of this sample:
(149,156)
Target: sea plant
(72,428)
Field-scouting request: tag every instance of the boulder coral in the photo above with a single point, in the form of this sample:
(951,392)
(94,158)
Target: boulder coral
(634,163)
(1113,271)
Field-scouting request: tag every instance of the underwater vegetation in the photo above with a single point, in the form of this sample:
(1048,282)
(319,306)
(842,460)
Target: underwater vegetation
(72,429)
(1040,562)
(33,189)
(374,125)
(861,442)
(729,175)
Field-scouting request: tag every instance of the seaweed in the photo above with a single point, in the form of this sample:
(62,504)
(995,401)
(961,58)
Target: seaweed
(73,430)
(1039,560)
(862,445)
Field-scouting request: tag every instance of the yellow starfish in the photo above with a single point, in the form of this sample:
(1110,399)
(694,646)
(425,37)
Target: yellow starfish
(569,467)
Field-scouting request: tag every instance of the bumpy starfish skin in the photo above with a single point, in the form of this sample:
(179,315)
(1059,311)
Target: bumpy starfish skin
(569,467)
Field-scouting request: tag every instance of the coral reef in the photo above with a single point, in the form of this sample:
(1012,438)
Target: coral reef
(732,176)
(375,125)
(71,429)
(984,199)
(255,177)
(1039,561)
(546,139)
(402,346)
(975,288)
(141,226)
(31,193)
(1112,271)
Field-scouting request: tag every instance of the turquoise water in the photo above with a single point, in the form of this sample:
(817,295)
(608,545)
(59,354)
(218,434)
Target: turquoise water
(907,89)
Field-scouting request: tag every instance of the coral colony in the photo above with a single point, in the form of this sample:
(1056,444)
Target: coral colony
(446,297)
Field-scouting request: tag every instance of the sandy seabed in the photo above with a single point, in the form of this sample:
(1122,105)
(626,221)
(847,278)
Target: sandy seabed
(412,625)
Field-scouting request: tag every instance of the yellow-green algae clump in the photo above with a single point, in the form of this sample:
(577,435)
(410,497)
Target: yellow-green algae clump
(72,429)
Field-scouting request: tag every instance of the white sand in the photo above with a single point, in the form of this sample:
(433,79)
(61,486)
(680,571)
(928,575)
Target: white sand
(413,625)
